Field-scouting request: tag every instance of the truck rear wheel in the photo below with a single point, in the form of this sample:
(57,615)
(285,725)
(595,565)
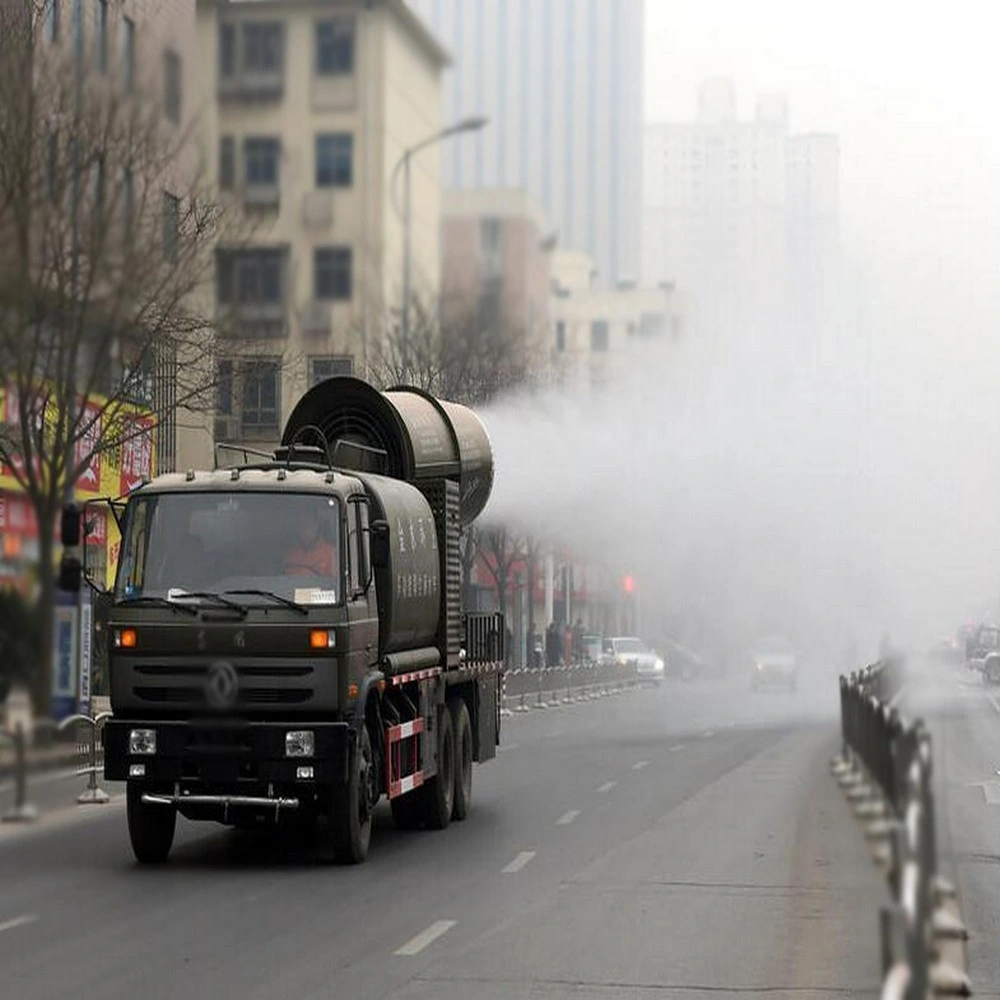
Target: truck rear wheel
(439,792)
(462,728)
(150,828)
(352,815)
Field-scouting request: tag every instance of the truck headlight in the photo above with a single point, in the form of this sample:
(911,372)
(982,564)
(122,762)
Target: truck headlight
(142,742)
(620,660)
(299,743)
(658,665)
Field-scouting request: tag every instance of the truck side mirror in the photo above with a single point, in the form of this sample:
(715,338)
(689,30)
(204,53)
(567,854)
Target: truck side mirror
(379,545)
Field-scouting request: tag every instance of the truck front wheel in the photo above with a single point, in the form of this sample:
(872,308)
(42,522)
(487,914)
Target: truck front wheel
(352,815)
(150,828)
(439,792)
(462,727)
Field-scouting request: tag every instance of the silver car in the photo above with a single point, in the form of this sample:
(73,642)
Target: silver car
(627,652)
(774,664)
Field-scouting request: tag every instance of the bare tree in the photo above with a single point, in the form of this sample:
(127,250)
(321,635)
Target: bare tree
(452,352)
(501,551)
(109,238)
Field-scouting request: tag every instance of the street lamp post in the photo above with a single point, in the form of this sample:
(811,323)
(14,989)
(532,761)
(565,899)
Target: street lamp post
(465,125)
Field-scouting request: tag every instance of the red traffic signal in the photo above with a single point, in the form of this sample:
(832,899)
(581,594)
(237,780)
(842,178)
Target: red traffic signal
(628,584)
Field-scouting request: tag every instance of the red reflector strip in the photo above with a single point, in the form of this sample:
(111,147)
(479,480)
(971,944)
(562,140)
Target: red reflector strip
(407,729)
(406,784)
(417,675)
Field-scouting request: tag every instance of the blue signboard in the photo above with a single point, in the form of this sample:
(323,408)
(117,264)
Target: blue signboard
(64,686)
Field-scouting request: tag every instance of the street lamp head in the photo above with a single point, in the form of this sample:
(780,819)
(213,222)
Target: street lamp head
(472,124)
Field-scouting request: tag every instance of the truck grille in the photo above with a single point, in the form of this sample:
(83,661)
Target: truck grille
(179,685)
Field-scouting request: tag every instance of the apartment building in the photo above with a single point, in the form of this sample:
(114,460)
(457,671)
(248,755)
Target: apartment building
(309,107)
(595,329)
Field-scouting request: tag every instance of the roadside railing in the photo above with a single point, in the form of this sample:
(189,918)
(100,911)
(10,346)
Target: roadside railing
(528,688)
(886,769)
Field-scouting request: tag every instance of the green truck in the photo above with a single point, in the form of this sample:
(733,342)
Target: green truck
(286,644)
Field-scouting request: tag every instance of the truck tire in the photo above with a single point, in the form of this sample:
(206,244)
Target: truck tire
(462,727)
(352,815)
(438,794)
(150,828)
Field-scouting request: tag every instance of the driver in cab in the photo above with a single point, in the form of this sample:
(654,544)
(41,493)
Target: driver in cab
(310,554)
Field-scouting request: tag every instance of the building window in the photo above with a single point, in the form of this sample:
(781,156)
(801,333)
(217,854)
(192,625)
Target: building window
(260,161)
(128,201)
(172,95)
(262,47)
(171,225)
(250,277)
(128,54)
(324,368)
(560,336)
(224,388)
(260,395)
(227,50)
(334,159)
(52,11)
(489,236)
(332,272)
(335,46)
(599,335)
(52,166)
(227,163)
(101,49)
(97,189)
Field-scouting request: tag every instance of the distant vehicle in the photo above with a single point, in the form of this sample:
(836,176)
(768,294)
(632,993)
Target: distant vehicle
(628,652)
(774,664)
(683,662)
(982,652)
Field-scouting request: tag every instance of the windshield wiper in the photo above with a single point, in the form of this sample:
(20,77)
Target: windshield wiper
(287,602)
(210,596)
(156,602)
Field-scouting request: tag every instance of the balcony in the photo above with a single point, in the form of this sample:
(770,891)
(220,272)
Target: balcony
(261,195)
(253,86)
(316,319)
(252,320)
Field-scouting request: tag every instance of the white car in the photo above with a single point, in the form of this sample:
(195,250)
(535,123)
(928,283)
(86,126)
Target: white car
(627,652)
(774,664)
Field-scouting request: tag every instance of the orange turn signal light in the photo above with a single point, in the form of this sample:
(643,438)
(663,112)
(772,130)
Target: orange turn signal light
(352,691)
(127,638)
(320,638)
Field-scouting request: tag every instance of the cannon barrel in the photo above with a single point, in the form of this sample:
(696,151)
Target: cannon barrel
(422,438)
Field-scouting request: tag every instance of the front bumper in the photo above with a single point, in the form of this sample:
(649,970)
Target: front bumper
(226,756)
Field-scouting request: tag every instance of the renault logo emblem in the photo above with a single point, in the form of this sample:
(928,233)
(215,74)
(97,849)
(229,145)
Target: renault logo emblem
(221,685)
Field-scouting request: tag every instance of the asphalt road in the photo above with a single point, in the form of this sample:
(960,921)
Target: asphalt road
(680,843)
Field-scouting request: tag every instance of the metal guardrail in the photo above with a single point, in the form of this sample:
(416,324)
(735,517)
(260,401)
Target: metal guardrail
(885,768)
(531,688)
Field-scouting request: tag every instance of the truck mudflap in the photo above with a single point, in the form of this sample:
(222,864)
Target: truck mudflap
(225,754)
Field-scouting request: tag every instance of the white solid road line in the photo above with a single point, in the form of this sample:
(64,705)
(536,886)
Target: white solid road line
(417,944)
(607,786)
(707,733)
(518,863)
(639,765)
(674,749)
(993,702)
(9,925)
(567,817)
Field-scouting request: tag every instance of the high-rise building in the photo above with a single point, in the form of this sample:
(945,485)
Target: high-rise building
(740,211)
(561,82)
(309,108)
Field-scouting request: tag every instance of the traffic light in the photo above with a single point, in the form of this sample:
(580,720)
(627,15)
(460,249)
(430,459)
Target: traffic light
(70,567)
(628,584)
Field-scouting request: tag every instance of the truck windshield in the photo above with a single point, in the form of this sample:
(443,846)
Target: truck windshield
(283,543)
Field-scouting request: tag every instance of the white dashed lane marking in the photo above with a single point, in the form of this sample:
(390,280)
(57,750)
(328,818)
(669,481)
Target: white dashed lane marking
(674,749)
(639,765)
(567,817)
(9,925)
(417,944)
(607,786)
(518,863)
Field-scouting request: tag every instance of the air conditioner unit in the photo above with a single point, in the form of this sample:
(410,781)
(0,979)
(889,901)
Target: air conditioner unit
(316,318)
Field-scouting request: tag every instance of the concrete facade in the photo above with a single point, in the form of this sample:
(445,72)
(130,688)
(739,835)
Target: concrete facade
(561,82)
(309,107)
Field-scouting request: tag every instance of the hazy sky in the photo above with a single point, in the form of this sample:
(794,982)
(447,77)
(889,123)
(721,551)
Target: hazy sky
(911,88)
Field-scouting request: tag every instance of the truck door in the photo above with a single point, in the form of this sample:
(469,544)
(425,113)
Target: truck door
(362,611)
